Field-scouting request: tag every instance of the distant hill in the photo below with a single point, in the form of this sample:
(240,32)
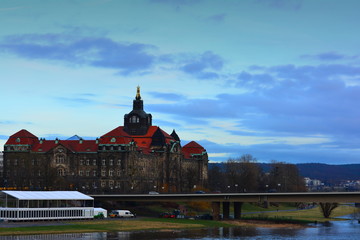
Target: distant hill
(323,172)
(330,173)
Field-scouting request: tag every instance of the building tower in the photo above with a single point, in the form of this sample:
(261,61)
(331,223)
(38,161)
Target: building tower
(137,122)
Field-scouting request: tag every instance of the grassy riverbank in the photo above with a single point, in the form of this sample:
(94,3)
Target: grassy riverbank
(298,216)
(307,215)
(109,225)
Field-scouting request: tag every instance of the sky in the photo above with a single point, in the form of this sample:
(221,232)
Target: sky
(277,79)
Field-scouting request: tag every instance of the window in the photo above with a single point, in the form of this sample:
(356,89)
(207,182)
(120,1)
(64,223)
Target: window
(111,184)
(103,162)
(94,162)
(113,140)
(61,172)
(60,159)
(111,162)
(103,173)
(87,173)
(103,183)
(119,162)
(81,162)
(134,119)
(88,162)
(15,162)
(81,172)
(111,173)
(94,173)
(118,173)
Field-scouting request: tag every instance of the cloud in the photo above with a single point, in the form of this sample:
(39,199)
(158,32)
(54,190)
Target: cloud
(81,100)
(4,137)
(293,5)
(12,122)
(92,51)
(217,17)
(329,56)
(167,96)
(203,66)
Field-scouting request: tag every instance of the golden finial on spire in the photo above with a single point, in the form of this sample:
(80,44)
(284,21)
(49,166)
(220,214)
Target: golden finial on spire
(138,93)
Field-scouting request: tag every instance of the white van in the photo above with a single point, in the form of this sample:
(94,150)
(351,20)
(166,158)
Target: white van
(121,214)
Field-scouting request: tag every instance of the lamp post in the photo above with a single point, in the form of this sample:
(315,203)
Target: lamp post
(236,186)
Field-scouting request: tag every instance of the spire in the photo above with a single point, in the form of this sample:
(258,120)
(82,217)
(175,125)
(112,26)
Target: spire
(138,97)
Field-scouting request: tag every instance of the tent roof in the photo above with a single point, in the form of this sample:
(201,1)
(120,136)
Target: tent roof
(48,195)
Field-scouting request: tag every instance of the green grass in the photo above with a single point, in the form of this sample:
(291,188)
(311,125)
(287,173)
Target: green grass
(113,225)
(311,215)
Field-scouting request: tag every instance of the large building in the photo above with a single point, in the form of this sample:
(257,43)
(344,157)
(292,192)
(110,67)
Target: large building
(137,157)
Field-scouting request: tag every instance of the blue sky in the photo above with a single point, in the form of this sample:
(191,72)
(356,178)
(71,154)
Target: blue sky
(278,79)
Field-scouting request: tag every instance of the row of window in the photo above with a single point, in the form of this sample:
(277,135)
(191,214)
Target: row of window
(60,159)
(41,213)
(103,162)
(103,173)
(111,148)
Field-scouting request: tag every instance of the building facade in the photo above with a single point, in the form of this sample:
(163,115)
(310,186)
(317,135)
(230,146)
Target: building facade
(137,157)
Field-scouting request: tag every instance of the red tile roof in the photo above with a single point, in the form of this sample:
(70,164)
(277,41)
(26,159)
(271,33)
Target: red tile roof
(71,145)
(192,148)
(119,136)
(22,137)
(115,136)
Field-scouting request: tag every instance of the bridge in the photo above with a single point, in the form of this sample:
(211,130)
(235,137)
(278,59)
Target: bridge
(237,199)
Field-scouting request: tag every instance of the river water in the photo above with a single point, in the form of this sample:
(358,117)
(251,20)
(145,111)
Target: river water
(333,230)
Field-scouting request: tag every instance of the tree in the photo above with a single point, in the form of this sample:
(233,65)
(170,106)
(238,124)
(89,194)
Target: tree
(285,177)
(243,174)
(216,177)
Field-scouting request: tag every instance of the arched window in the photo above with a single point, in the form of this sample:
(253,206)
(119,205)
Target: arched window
(61,172)
(60,159)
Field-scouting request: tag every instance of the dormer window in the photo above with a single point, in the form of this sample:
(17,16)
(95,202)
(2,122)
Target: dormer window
(113,140)
(17,140)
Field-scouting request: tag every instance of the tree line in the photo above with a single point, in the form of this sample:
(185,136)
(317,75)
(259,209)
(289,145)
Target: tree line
(244,174)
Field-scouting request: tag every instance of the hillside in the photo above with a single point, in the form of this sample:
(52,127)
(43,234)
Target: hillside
(323,172)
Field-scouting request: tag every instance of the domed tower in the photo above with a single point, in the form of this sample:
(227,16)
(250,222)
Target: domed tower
(137,122)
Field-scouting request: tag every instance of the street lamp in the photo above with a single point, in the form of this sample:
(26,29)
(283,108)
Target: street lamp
(236,185)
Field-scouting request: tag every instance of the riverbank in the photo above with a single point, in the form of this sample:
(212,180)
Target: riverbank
(160,224)
(27,228)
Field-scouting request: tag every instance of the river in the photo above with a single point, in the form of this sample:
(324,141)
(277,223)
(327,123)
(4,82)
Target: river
(333,230)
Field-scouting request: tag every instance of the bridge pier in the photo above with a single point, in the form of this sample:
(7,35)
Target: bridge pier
(226,210)
(216,210)
(237,210)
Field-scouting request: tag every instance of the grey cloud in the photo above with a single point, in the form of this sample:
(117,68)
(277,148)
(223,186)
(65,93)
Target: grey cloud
(293,5)
(329,56)
(4,137)
(217,17)
(97,52)
(167,96)
(203,66)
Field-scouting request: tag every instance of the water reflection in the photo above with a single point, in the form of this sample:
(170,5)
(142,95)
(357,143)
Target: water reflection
(333,230)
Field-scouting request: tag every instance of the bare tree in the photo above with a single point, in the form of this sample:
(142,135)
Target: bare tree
(285,177)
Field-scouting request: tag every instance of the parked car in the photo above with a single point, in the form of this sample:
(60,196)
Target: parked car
(167,215)
(121,214)
(206,216)
(153,192)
